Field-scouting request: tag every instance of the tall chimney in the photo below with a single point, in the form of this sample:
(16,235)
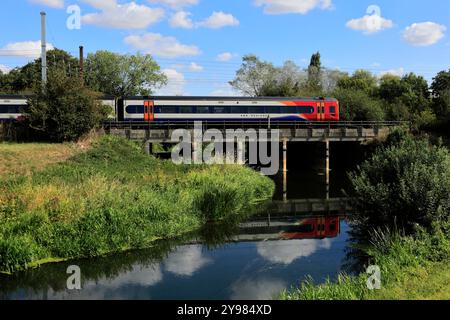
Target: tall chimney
(43,51)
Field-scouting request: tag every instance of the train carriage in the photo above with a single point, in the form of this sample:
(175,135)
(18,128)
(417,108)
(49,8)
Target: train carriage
(173,109)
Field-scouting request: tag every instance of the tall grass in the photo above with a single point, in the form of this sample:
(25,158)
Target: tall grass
(113,198)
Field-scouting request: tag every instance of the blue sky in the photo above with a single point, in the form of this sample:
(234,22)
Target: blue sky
(199,43)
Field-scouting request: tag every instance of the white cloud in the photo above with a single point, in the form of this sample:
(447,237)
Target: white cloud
(224,90)
(195,67)
(225,56)
(158,45)
(424,34)
(26,49)
(50,3)
(122,16)
(370,24)
(181,20)
(219,19)
(186,260)
(176,3)
(292,6)
(261,289)
(175,84)
(285,252)
(102,4)
(394,72)
(4,69)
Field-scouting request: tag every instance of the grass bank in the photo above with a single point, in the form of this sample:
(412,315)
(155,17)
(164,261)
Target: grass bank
(113,198)
(411,268)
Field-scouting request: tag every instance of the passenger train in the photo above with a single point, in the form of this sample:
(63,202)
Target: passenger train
(173,109)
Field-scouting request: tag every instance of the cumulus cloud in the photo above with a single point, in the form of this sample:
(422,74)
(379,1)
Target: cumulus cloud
(186,260)
(195,67)
(225,56)
(424,33)
(181,20)
(292,6)
(25,49)
(285,252)
(394,72)
(50,3)
(158,45)
(370,24)
(175,3)
(219,19)
(122,16)
(261,289)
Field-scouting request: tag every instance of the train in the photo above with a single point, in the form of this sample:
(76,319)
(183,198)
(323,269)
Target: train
(179,108)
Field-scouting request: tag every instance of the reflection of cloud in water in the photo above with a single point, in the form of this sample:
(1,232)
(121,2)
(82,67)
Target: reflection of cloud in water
(286,252)
(186,260)
(260,289)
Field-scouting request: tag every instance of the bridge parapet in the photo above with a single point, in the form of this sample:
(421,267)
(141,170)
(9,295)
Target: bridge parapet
(288,131)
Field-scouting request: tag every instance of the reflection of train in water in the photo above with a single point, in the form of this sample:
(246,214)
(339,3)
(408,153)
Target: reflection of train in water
(288,228)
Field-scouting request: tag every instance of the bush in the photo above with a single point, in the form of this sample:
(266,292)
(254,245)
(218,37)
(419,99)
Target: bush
(65,110)
(404,183)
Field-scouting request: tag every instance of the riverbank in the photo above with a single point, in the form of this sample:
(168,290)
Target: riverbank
(113,198)
(413,269)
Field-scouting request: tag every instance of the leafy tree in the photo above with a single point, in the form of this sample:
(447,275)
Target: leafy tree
(315,72)
(255,78)
(65,110)
(24,79)
(123,75)
(357,105)
(441,83)
(404,183)
(360,80)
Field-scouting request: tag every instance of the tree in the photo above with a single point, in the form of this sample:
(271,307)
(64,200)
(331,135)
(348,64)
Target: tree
(65,110)
(357,105)
(255,78)
(123,75)
(441,83)
(315,72)
(25,78)
(360,80)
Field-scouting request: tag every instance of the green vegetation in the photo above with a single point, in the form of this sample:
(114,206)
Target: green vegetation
(401,224)
(411,268)
(113,198)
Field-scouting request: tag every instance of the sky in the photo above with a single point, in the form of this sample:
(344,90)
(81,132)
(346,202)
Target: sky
(199,44)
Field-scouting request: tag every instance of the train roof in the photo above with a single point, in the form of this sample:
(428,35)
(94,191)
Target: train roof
(229,98)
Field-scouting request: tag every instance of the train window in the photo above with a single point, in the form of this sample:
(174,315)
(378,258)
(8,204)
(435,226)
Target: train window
(287,110)
(202,109)
(305,109)
(134,109)
(273,109)
(186,109)
(169,109)
(11,108)
(238,110)
(220,110)
(332,109)
(256,109)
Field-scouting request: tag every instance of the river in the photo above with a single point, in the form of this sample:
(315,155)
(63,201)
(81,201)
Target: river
(292,239)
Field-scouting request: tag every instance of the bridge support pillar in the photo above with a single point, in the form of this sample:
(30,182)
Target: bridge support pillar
(148,148)
(284,169)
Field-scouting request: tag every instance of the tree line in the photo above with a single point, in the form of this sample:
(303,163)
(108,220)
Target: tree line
(362,95)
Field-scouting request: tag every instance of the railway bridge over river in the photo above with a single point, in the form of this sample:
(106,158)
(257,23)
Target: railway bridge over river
(149,133)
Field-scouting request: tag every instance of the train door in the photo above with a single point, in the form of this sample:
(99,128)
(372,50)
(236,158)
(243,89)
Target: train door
(320,111)
(149,111)
(120,112)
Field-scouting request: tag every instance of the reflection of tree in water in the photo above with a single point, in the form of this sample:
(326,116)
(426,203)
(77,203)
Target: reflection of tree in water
(53,276)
